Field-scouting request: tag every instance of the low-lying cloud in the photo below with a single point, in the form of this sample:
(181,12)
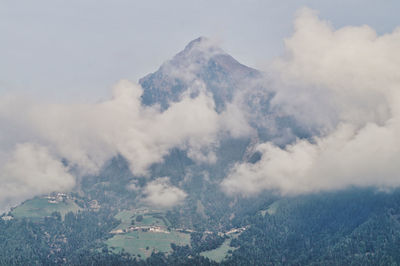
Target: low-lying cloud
(160,193)
(87,135)
(346,83)
(31,170)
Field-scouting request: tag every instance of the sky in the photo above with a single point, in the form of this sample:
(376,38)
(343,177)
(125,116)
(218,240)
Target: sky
(74,51)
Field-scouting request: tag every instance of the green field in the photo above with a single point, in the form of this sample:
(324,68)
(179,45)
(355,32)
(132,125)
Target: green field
(220,253)
(137,242)
(126,217)
(144,243)
(40,207)
(272,208)
(151,218)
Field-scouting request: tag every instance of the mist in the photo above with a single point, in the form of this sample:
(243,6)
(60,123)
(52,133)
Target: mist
(345,83)
(85,136)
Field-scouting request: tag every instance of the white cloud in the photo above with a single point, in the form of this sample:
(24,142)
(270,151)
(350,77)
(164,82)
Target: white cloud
(345,82)
(348,157)
(187,64)
(347,74)
(31,170)
(87,135)
(161,193)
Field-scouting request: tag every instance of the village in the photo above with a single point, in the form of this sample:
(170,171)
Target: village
(55,198)
(160,229)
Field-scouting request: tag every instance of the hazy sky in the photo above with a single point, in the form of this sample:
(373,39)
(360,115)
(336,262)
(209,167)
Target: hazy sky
(75,50)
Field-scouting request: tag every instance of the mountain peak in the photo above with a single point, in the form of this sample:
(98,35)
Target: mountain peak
(202,60)
(197,41)
(203,44)
(198,50)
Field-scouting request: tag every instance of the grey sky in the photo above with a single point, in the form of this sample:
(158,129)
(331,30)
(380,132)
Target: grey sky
(77,49)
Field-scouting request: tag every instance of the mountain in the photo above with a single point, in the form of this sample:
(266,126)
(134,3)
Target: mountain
(201,60)
(108,219)
(203,65)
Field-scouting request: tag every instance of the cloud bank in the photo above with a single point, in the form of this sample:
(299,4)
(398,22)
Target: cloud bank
(160,193)
(31,170)
(87,135)
(346,83)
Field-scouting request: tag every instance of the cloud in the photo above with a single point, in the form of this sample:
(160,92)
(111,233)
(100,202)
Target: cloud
(344,82)
(347,157)
(332,75)
(31,170)
(161,193)
(88,135)
(186,65)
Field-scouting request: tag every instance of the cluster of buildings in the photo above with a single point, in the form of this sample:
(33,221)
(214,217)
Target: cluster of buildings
(57,198)
(7,218)
(236,230)
(159,229)
(94,205)
(150,228)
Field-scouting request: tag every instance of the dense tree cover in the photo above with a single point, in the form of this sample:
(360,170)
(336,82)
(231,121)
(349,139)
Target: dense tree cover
(53,240)
(201,242)
(353,227)
(360,227)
